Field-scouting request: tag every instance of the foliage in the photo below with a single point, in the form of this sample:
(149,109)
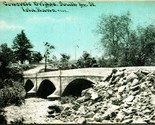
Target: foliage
(48,49)
(68,99)
(18,121)
(5,51)
(64,61)
(35,57)
(124,46)
(11,93)
(86,61)
(2,117)
(22,47)
(102,62)
(147,45)
(54,61)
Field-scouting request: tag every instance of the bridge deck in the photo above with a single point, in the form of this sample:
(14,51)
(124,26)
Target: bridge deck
(83,71)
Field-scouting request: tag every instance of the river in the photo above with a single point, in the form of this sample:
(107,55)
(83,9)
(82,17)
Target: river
(34,110)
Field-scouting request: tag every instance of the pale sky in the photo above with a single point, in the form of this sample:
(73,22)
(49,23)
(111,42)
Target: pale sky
(65,30)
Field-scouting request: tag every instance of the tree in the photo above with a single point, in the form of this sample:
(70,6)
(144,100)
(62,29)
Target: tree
(6,58)
(22,47)
(36,57)
(115,31)
(146,38)
(6,55)
(54,61)
(64,61)
(48,49)
(86,61)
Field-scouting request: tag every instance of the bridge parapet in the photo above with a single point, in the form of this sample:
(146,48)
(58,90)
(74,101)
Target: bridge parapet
(60,79)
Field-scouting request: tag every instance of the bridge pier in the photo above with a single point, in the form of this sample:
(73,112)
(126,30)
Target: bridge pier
(32,92)
(55,95)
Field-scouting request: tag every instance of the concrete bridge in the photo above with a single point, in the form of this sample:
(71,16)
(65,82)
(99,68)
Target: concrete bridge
(54,84)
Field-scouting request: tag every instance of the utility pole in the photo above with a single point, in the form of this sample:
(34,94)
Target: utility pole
(60,81)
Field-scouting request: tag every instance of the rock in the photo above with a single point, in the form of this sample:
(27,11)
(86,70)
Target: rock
(115,100)
(138,120)
(106,116)
(81,99)
(119,74)
(127,111)
(92,108)
(97,117)
(55,108)
(147,111)
(135,82)
(113,107)
(84,92)
(152,99)
(50,111)
(90,114)
(127,121)
(94,95)
(131,77)
(111,112)
(135,88)
(120,116)
(114,71)
(115,80)
(90,120)
(110,92)
(136,92)
(129,98)
(121,89)
(82,121)
(81,110)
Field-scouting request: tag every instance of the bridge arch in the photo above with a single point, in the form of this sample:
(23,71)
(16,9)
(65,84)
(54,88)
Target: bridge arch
(46,88)
(28,85)
(75,87)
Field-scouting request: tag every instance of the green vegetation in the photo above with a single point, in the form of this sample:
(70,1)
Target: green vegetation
(64,61)
(22,47)
(48,49)
(123,45)
(86,61)
(11,93)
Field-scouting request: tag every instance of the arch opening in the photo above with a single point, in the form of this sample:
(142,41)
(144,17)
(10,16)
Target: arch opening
(46,88)
(76,86)
(28,85)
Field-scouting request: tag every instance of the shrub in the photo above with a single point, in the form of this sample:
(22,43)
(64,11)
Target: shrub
(2,117)
(11,93)
(68,99)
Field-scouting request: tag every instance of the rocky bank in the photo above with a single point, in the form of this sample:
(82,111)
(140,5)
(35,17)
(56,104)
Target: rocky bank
(121,97)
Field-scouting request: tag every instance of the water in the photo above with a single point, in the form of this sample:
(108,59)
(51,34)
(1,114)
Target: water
(34,110)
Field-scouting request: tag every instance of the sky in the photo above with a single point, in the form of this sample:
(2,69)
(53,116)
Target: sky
(67,30)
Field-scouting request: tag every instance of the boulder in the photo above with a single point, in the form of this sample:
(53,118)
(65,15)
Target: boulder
(121,89)
(81,121)
(120,117)
(131,77)
(127,121)
(81,99)
(129,99)
(97,117)
(90,114)
(81,110)
(94,95)
(134,82)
